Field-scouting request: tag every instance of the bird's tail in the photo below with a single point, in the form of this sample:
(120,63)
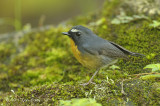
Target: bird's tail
(136,54)
(125,51)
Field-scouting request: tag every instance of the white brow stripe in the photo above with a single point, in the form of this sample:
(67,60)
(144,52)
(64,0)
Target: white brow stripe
(74,30)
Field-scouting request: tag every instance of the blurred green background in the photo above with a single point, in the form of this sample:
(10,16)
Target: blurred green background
(15,14)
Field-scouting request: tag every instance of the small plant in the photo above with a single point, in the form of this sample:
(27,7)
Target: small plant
(79,102)
(114,67)
(153,75)
(155,24)
(154,67)
(122,19)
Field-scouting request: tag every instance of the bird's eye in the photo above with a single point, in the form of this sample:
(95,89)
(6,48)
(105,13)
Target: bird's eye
(78,33)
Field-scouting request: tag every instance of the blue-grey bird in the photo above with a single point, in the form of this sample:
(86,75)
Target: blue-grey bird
(93,51)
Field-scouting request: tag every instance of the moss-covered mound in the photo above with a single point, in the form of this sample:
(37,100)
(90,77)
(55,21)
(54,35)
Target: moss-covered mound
(30,63)
(108,92)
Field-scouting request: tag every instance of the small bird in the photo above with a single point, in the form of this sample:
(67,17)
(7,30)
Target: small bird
(93,51)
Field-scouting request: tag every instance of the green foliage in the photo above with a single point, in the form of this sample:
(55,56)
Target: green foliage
(100,21)
(154,67)
(79,102)
(123,19)
(155,24)
(151,77)
(151,56)
(6,50)
(113,67)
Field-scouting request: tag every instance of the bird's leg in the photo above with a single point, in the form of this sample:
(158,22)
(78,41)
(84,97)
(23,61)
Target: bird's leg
(90,81)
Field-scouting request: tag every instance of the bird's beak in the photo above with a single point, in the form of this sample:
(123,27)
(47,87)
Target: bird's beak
(65,33)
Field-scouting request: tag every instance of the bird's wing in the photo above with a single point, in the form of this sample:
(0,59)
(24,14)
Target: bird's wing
(125,51)
(105,48)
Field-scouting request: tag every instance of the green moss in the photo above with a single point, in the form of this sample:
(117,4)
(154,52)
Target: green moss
(51,93)
(79,102)
(6,50)
(136,92)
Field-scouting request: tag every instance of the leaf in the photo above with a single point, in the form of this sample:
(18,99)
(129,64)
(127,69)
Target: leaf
(113,67)
(155,24)
(79,102)
(154,67)
(153,76)
(101,21)
(140,17)
(126,19)
(115,21)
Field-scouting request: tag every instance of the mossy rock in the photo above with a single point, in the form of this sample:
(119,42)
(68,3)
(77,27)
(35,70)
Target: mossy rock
(129,92)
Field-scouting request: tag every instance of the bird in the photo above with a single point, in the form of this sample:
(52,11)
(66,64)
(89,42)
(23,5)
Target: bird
(93,51)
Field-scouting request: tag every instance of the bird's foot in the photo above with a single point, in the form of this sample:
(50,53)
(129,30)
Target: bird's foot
(89,82)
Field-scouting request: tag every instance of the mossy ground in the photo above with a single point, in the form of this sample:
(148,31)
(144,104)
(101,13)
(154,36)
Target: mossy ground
(30,67)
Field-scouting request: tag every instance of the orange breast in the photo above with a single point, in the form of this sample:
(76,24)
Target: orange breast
(75,51)
(90,61)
